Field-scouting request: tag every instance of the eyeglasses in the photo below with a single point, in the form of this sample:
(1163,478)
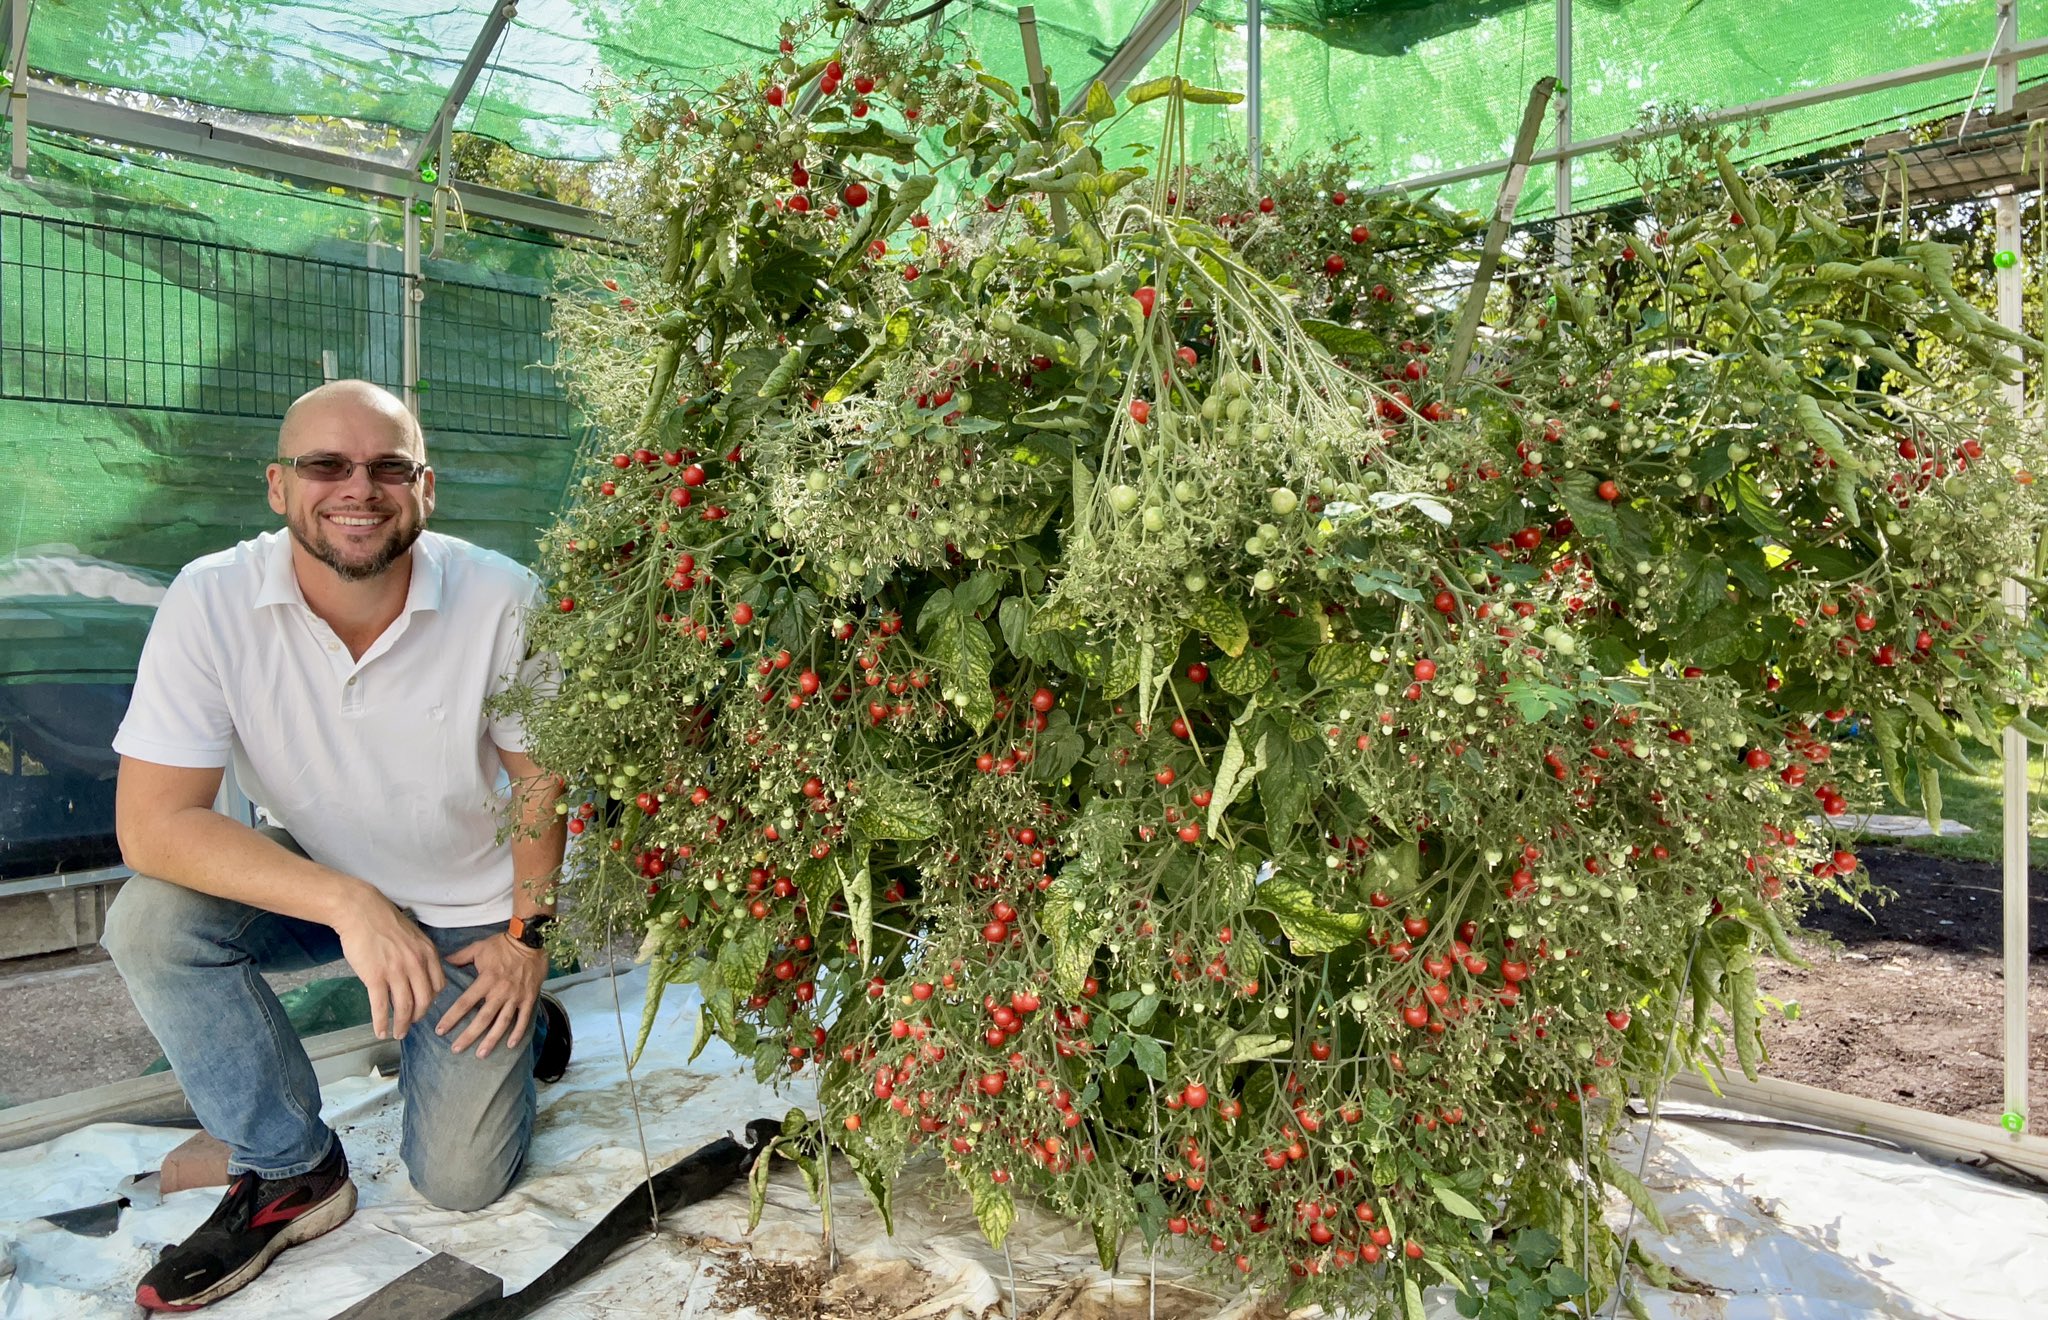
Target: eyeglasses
(333,467)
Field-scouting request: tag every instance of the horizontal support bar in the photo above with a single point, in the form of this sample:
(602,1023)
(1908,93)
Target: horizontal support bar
(158,1098)
(54,108)
(1935,1134)
(46,884)
(1876,82)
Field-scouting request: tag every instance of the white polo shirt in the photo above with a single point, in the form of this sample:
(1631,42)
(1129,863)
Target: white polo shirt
(386,767)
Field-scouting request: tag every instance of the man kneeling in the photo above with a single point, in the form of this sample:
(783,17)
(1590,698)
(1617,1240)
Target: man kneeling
(343,664)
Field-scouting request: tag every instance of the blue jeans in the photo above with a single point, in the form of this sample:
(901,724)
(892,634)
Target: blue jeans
(192,965)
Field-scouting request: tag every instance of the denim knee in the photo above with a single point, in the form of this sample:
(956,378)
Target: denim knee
(451,1184)
(142,924)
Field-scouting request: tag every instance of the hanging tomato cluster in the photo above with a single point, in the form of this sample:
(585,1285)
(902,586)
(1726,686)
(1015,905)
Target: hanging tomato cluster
(1086,686)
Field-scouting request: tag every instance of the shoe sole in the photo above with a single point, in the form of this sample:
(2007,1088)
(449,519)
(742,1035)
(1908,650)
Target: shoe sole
(330,1214)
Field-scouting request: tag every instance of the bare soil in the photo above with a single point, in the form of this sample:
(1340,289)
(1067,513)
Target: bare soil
(1905,1003)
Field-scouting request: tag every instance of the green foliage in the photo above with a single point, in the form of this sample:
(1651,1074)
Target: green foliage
(1178,758)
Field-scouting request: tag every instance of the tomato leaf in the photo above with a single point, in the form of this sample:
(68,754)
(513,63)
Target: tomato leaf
(1306,919)
(1758,512)
(1456,1203)
(958,643)
(1244,1049)
(1564,1281)
(1345,340)
(1533,1246)
(994,1209)
(1411,1294)
(1099,107)
(1375,582)
(1230,770)
(1245,674)
(870,139)
(1223,620)
(880,1187)
(1174,85)
(1345,663)
(895,808)
(2027,729)
(1073,942)
(1108,1245)
(1592,516)
(1150,1057)
(1632,1187)
(657,982)
(1930,796)
(860,903)
(1286,782)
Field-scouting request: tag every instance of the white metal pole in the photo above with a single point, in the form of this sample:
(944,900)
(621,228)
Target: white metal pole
(1254,131)
(412,293)
(1563,186)
(17,86)
(2010,292)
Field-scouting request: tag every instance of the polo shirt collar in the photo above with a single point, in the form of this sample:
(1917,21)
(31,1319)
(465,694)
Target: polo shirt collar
(280,581)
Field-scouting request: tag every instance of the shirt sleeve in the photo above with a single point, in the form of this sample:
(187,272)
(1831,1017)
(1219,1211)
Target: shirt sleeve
(178,715)
(514,666)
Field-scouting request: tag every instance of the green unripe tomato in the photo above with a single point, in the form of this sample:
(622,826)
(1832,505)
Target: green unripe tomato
(1153,518)
(1283,501)
(1123,498)
(1264,580)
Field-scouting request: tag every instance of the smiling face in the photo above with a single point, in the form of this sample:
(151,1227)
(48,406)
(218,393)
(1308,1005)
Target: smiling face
(356,527)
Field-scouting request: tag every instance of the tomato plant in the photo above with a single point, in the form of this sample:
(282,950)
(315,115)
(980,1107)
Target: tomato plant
(1084,682)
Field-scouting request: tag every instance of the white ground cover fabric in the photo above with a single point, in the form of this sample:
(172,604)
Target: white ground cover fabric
(1778,1225)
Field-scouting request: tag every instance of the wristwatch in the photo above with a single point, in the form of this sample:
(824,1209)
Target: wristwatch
(529,930)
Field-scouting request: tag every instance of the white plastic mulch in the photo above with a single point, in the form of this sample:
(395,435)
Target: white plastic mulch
(1770,1224)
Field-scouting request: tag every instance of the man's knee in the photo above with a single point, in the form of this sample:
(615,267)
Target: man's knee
(461,1184)
(144,923)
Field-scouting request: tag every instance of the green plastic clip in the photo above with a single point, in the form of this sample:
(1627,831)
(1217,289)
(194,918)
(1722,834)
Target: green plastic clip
(428,173)
(2006,260)
(2013,1123)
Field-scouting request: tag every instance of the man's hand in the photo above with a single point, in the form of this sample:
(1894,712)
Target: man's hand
(396,961)
(508,979)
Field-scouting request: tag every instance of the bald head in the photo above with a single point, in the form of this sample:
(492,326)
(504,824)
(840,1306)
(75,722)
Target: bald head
(345,406)
(343,518)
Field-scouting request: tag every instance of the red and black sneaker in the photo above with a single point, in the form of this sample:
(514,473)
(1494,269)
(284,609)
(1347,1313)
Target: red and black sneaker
(258,1218)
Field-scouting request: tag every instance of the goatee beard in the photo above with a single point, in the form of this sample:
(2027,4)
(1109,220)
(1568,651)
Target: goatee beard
(372,567)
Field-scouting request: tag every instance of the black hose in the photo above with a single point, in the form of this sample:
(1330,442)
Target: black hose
(698,1176)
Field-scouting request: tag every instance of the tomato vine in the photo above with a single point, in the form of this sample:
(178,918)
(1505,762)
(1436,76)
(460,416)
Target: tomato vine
(1087,687)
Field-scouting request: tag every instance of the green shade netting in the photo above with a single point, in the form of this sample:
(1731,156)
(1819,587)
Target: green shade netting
(1421,84)
(159,315)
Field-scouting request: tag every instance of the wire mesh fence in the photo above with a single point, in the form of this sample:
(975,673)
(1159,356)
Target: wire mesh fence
(94,314)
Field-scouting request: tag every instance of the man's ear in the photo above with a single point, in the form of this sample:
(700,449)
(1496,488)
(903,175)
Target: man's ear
(274,477)
(427,492)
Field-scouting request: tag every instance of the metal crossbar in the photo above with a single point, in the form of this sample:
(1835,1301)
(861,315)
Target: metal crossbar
(94,314)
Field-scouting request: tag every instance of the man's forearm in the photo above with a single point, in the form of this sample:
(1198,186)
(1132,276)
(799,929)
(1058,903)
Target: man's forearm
(201,849)
(539,839)
(536,865)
